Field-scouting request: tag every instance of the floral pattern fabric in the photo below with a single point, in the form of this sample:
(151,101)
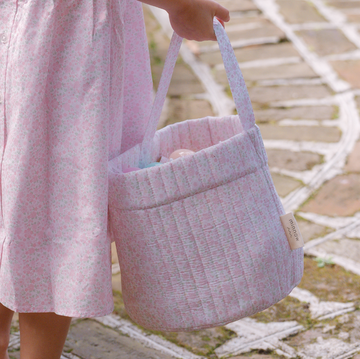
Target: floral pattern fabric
(75,92)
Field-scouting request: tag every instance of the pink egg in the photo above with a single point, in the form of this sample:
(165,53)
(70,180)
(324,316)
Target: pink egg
(181,153)
(131,169)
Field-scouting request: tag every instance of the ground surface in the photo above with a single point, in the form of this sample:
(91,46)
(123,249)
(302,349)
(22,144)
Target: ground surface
(301,63)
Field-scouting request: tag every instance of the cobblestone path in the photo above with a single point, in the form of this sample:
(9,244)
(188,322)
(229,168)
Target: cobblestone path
(301,62)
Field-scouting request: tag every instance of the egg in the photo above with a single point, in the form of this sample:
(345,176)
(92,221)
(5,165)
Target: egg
(181,153)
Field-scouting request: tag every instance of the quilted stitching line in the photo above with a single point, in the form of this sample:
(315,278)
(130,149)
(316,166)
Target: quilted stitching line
(231,231)
(156,234)
(280,212)
(270,184)
(247,246)
(233,239)
(236,244)
(191,194)
(191,269)
(199,218)
(274,256)
(190,133)
(177,268)
(161,174)
(253,139)
(200,221)
(212,170)
(162,254)
(209,130)
(226,189)
(192,274)
(257,234)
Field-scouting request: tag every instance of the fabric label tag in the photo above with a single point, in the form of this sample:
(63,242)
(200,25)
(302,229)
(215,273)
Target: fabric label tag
(292,231)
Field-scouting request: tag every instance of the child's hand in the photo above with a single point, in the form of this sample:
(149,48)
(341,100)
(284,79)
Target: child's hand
(193,19)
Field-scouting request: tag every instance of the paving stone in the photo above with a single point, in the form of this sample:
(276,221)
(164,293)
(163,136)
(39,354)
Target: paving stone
(348,248)
(114,257)
(353,18)
(288,71)
(318,41)
(202,342)
(251,53)
(295,161)
(300,133)
(14,355)
(260,28)
(254,335)
(349,71)
(317,339)
(91,340)
(310,230)
(321,309)
(284,185)
(353,328)
(353,161)
(303,113)
(255,356)
(344,4)
(199,342)
(181,109)
(288,309)
(184,82)
(305,337)
(299,11)
(338,197)
(14,344)
(330,283)
(329,349)
(238,5)
(283,93)
(116,281)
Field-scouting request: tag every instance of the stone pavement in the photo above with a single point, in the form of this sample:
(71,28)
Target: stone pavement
(301,62)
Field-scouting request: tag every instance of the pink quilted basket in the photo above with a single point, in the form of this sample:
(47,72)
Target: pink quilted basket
(199,239)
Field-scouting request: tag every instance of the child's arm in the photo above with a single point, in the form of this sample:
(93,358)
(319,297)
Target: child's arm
(192,19)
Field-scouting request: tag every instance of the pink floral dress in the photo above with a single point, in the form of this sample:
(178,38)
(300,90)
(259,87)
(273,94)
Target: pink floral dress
(75,91)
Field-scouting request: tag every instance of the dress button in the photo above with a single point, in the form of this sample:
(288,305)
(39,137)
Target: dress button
(3,38)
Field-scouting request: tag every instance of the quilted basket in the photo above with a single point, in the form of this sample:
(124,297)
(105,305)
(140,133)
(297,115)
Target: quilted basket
(199,239)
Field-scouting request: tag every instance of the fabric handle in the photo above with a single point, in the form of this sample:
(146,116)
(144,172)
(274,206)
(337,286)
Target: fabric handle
(234,75)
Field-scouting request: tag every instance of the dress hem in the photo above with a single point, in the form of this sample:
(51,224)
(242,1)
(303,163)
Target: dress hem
(58,312)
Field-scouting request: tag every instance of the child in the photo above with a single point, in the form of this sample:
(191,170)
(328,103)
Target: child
(75,91)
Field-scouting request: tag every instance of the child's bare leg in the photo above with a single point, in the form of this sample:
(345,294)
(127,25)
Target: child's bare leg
(42,335)
(5,324)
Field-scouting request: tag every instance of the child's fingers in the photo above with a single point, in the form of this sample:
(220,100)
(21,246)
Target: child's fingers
(222,13)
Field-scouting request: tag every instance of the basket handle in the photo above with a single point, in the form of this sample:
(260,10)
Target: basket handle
(234,75)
